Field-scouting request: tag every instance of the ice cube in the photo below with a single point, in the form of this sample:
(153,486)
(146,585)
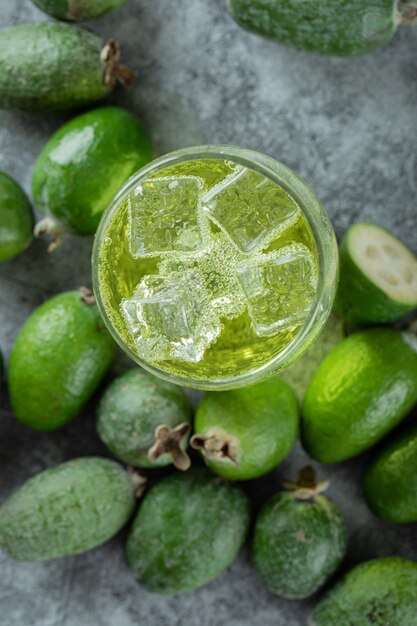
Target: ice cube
(250,208)
(170,317)
(279,287)
(217,264)
(164,216)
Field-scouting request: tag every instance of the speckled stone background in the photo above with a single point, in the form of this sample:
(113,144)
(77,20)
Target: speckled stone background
(348,127)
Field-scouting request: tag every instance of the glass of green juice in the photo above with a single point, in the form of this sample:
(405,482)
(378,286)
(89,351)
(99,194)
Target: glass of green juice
(215,267)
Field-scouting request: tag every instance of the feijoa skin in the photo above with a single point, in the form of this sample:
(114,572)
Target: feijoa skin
(245,433)
(48,66)
(390,481)
(300,540)
(342,28)
(83,165)
(381,592)
(145,421)
(66,510)
(361,390)
(190,527)
(60,356)
(77,10)
(16,218)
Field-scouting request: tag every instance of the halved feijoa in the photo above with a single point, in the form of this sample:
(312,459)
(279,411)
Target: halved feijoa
(378,276)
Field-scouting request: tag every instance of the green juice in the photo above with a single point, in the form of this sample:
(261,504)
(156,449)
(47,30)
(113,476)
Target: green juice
(207,269)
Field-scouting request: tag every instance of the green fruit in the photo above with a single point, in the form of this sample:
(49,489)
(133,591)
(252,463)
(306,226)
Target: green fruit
(378,276)
(390,482)
(77,10)
(300,539)
(145,421)
(60,356)
(16,218)
(190,527)
(381,592)
(342,28)
(245,433)
(54,67)
(83,165)
(66,509)
(360,392)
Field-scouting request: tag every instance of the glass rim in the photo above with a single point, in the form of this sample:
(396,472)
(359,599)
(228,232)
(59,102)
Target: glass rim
(318,221)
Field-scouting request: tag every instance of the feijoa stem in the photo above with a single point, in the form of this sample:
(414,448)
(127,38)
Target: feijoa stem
(306,487)
(87,296)
(114,71)
(50,226)
(168,441)
(407,13)
(216,447)
(138,481)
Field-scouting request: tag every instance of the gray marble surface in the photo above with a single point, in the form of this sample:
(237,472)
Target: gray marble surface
(348,127)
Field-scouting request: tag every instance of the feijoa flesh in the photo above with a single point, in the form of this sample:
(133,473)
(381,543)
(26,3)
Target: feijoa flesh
(83,165)
(16,218)
(77,10)
(67,509)
(245,433)
(381,592)
(390,482)
(342,28)
(361,391)
(60,356)
(48,66)
(145,421)
(300,538)
(190,527)
(378,276)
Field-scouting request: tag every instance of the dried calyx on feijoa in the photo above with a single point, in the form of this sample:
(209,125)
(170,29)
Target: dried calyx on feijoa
(245,433)
(145,421)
